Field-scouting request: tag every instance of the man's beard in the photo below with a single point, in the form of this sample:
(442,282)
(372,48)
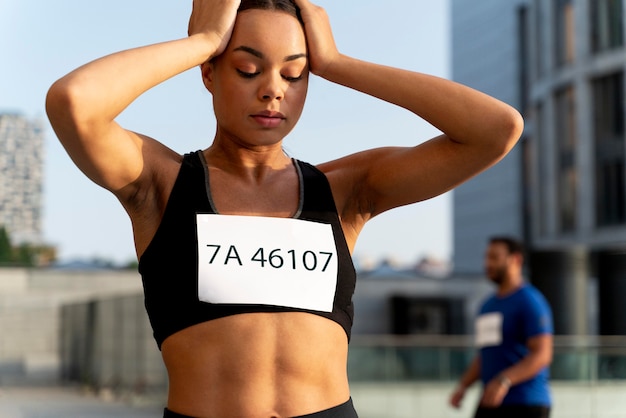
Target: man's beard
(498,275)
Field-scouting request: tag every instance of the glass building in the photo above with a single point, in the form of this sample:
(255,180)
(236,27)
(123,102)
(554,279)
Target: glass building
(561,63)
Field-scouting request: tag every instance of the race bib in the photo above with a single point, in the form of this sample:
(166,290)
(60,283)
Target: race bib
(266,261)
(489,329)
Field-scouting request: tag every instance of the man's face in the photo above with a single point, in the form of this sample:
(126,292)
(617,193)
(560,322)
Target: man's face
(497,262)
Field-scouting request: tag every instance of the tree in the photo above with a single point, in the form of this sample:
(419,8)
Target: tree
(24,255)
(6,250)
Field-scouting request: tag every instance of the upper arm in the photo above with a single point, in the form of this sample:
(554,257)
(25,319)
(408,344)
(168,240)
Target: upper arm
(541,346)
(539,328)
(108,154)
(385,178)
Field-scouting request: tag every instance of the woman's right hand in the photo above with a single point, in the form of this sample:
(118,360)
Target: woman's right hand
(83,105)
(214,19)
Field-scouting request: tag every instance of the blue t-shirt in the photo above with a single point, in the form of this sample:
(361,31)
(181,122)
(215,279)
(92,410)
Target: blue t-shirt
(502,330)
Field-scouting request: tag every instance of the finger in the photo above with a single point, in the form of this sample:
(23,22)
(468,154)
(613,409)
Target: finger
(300,3)
(304,4)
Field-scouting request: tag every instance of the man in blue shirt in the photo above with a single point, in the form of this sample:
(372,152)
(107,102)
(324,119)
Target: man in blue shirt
(514,336)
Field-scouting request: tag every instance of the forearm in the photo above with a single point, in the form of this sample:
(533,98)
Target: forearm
(471,375)
(99,91)
(526,369)
(451,107)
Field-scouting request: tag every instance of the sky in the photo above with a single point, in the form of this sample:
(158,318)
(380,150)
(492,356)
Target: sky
(41,40)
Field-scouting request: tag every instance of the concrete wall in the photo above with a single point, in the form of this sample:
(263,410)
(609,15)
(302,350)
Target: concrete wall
(108,345)
(30,316)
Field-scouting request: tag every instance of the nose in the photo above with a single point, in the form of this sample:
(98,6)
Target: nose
(272,88)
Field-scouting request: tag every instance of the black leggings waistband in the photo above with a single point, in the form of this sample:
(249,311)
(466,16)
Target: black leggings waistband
(345,410)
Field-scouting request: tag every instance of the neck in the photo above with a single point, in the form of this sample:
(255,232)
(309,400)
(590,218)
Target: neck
(254,162)
(510,285)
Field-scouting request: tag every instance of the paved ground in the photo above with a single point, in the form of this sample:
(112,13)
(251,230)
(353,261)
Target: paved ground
(71,403)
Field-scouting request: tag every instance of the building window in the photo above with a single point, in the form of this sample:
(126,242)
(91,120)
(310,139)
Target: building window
(564,27)
(566,155)
(542,173)
(523,54)
(610,138)
(607,25)
(539,43)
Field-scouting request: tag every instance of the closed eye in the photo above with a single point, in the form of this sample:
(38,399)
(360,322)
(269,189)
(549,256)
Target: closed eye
(246,74)
(292,79)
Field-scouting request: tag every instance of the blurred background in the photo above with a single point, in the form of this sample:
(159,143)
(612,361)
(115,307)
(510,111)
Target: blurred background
(73,330)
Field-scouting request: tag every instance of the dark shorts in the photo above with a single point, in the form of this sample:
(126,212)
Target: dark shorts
(514,411)
(345,410)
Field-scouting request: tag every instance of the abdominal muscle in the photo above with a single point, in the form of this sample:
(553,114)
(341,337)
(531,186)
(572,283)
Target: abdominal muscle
(257,365)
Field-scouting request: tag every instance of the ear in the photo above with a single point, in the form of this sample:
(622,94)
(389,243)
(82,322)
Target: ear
(208,73)
(519,258)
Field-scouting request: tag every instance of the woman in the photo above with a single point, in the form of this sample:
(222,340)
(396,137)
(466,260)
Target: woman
(244,252)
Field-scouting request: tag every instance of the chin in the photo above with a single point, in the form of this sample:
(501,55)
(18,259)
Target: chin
(494,279)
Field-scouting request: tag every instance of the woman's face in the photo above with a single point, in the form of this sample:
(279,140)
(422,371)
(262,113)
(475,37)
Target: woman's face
(259,83)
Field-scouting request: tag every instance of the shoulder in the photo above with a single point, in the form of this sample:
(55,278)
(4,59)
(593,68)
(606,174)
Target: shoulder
(536,311)
(532,295)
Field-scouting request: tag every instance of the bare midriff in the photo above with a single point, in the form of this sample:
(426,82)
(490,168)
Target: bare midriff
(257,365)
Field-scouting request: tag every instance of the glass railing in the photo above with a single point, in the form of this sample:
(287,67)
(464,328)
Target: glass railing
(444,358)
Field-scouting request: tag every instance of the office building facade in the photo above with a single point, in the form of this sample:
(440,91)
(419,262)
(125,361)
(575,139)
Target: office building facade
(562,64)
(21,178)
(563,188)
(485,56)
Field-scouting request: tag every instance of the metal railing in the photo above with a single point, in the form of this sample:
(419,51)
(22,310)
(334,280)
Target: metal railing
(444,358)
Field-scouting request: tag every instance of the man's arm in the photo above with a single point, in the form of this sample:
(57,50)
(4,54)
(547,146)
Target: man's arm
(471,375)
(539,356)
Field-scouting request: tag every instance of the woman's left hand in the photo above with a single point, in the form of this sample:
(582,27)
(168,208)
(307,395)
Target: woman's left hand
(321,44)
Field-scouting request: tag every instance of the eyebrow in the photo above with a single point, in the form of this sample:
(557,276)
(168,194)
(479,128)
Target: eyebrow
(259,54)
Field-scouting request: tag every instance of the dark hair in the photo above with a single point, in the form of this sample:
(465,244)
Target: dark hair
(513,245)
(287,6)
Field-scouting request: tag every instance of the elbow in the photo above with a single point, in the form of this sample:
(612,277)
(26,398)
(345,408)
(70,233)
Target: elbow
(548,357)
(497,135)
(515,123)
(503,131)
(59,103)
(64,109)
(511,127)
(544,361)
(544,356)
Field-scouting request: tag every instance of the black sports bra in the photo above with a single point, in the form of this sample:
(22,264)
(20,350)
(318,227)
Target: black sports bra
(185,282)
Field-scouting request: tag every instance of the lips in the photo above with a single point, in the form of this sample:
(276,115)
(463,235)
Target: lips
(268,118)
